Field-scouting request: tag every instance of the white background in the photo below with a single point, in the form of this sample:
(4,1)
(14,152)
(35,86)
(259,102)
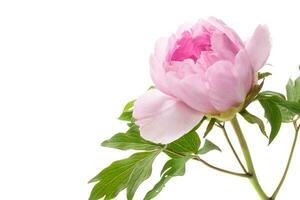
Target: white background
(68,67)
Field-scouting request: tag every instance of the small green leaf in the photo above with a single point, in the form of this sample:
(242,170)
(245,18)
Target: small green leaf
(280,100)
(140,173)
(293,90)
(209,126)
(290,90)
(126,116)
(287,116)
(173,167)
(293,95)
(130,140)
(272,113)
(254,120)
(207,147)
(291,106)
(127,111)
(262,75)
(114,178)
(129,105)
(187,144)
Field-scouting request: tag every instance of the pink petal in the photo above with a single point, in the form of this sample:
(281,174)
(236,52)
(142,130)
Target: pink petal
(163,119)
(192,90)
(158,74)
(245,71)
(182,68)
(230,33)
(223,46)
(207,58)
(225,88)
(187,26)
(259,47)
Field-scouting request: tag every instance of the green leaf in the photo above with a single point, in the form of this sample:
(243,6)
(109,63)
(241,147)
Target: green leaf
(262,75)
(115,178)
(287,116)
(187,144)
(127,111)
(270,94)
(280,100)
(293,90)
(290,90)
(209,126)
(207,147)
(174,167)
(140,173)
(297,89)
(272,113)
(254,120)
(130,140)
(291,106)
(293,95)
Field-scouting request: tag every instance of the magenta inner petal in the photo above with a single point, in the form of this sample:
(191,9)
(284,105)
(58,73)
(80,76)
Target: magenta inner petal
(189,47)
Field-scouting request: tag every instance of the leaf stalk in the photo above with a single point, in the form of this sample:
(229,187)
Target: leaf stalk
(197,158)
(274,195)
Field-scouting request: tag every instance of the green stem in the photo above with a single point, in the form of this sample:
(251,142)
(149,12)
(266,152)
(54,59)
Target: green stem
(232,148)
(288,163)
(197,158)
(253,179)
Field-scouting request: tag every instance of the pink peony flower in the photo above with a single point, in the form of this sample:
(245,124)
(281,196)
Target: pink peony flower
(205,69)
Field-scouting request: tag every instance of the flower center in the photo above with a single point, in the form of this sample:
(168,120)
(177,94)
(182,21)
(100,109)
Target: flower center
(191,47)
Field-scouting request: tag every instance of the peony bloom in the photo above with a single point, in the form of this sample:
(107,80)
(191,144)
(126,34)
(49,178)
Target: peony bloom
(205,69)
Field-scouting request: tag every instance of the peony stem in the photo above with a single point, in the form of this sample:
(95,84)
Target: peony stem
(197,158)
(288,163)
(253,179)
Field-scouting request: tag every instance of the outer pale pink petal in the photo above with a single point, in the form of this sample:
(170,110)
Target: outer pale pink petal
(245,71)
(225,89)
(157,60)
(192,90)
(231,34)
(158,74)
(259,47)
(163,119)
(161,48)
